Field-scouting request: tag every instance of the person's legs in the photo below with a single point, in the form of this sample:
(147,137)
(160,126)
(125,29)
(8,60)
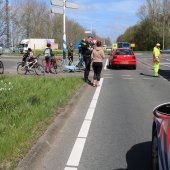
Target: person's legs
(95,74)
(47,64)
(87,69)
(99,69)
(156,68)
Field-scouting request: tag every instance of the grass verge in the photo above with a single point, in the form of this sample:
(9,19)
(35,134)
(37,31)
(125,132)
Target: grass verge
(27,105)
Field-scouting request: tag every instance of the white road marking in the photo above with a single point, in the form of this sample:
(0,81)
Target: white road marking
(75,156)
(130,78)
(84,129)
(105,67)
(164,63)
(76,152)
(70,168)
(125,75)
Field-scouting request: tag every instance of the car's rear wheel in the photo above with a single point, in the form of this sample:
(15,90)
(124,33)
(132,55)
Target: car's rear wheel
(134,67)
(154,152)
(109,65)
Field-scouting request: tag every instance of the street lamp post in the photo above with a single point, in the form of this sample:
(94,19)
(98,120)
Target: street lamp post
(163,30)
(59,7)
(64,31)
(163,33)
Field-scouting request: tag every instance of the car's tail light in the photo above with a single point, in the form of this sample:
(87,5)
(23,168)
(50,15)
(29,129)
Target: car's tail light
(133,57)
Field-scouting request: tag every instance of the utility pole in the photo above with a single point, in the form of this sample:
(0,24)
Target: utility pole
(59,7)
(7,22)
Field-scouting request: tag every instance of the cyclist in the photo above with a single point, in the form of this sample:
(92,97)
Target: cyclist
(28,56)
(48,53)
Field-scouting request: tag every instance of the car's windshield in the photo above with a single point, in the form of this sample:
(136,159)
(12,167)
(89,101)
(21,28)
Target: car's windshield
(124,52)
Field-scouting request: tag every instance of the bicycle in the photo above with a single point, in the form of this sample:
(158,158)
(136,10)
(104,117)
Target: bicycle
(33,67)
(68,65)
(80,64)
(54,65)
(1,67)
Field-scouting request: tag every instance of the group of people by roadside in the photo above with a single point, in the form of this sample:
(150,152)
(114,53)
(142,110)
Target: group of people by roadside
(48,54)
(92,52)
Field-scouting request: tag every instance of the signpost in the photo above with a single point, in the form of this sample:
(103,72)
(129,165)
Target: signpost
(59,6)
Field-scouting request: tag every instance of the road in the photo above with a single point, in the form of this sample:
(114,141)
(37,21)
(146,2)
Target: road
(110,126)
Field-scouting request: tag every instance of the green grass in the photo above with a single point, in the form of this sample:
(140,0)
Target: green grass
(27,105)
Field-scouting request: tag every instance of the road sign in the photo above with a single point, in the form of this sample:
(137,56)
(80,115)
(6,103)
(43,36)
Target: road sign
(71,5)
(57,10)
(57,3)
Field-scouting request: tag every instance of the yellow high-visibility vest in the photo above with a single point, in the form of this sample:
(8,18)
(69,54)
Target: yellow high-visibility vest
(156,52)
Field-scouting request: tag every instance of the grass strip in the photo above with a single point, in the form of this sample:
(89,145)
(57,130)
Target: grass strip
(27,105)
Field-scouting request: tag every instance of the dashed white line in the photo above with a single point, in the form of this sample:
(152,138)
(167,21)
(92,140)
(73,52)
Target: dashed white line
(76,153)
(84,129)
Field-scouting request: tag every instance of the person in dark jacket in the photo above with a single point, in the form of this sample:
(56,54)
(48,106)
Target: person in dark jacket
(70,52)
(86,49)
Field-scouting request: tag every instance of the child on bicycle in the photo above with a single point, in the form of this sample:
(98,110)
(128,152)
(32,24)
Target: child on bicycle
(48,53)
(28,56)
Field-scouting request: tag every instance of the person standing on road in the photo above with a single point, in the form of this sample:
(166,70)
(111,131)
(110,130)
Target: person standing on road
(70,52)
(87,47)
(98,56)
(156,59)
(48,53)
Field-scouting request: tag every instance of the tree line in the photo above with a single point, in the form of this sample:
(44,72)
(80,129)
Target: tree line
(153,26)
(33,19)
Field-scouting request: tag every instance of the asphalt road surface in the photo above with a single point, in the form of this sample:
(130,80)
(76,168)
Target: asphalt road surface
(110,126)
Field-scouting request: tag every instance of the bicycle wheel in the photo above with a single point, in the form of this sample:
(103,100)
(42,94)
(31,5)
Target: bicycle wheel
(21,69)
(39,69)
(54,68)
(1,67)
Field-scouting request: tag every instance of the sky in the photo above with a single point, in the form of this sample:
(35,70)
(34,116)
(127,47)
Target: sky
(108,18)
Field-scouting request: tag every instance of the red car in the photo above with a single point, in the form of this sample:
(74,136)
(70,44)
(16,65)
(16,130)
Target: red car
(122,57)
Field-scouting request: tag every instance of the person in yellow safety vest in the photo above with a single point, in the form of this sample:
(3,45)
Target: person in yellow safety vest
(156,59)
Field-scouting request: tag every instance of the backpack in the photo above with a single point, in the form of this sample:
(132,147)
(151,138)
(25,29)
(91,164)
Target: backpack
(47,52)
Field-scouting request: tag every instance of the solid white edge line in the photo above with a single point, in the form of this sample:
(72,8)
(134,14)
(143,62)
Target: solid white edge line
(76,152)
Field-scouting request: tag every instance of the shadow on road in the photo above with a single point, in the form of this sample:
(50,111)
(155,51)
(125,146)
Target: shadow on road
(147,75)
(165,74)
(139,157)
